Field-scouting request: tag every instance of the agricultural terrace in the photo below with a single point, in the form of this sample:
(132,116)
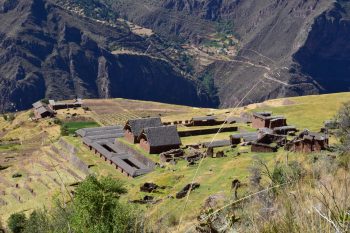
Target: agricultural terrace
(40,164)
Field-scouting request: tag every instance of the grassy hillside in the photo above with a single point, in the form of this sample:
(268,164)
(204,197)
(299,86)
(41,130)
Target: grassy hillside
(305,112)
(215,175)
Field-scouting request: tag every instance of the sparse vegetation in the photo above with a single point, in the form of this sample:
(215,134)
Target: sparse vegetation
(9,117)
(288,190)
(64,130)
(17,175)
(17,222)
(96,209)
(45,101)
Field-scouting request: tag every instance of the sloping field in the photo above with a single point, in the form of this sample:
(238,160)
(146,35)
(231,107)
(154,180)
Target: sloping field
(38,164)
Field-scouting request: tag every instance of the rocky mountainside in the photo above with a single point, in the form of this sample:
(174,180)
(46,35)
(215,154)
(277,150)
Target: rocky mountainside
(295,47)
(198,52)
(49,51)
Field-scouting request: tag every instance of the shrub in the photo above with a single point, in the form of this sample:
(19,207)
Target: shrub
(16,222)
(45,101)
(57,121)
(38,222)
(64,130)
(16,175)
(31,114)
(11,117)
(97,207)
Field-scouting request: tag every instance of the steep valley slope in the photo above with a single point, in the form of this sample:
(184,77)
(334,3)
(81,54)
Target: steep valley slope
(302,44)
(202,52)
(48,51)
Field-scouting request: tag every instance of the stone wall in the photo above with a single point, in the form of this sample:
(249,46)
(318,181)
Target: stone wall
(197,132)
(140,157)
(71,156)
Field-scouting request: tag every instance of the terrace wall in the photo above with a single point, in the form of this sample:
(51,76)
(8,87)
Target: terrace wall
(140,157)
(72,156)
(198,132)
(262,148)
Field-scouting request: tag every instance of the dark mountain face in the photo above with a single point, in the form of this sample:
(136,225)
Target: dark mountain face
(290,47)
(47,51)
(325,54)
(301,44)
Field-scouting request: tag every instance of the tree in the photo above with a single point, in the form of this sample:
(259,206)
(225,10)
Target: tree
(38,222)
(16,222)
(343,123)
(64,130)
(343,134)
(97,207)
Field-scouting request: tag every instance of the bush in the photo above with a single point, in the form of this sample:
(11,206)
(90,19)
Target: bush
(97,207)
(45,101)
(57,121)
(31,114)
(16,175)
(287,173)
(16,222)
(9,117)
(38,222)
(64,130)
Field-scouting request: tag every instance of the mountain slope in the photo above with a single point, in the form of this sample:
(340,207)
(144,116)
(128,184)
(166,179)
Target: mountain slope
(47,51)
(301,44)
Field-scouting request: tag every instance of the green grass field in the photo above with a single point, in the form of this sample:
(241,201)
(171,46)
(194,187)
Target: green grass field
(309,111)
(74,126)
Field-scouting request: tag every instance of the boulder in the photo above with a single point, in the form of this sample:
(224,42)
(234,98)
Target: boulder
(148,187)
(220,154)
(186,189)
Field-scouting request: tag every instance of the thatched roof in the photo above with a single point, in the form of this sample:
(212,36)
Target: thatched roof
(162,136)
(137,125)
(37,104)
(117,130)
(247,137)
(218,143)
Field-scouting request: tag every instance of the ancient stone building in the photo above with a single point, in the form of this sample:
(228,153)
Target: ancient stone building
(266,120)
(155,140)
(307,142)
(133,128)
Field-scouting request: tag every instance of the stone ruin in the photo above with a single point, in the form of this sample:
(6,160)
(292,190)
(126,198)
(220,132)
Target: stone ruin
(186,189)
(194,155)
(146,200)
(173,156)
(170,155)
(150,187)
(220,154)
